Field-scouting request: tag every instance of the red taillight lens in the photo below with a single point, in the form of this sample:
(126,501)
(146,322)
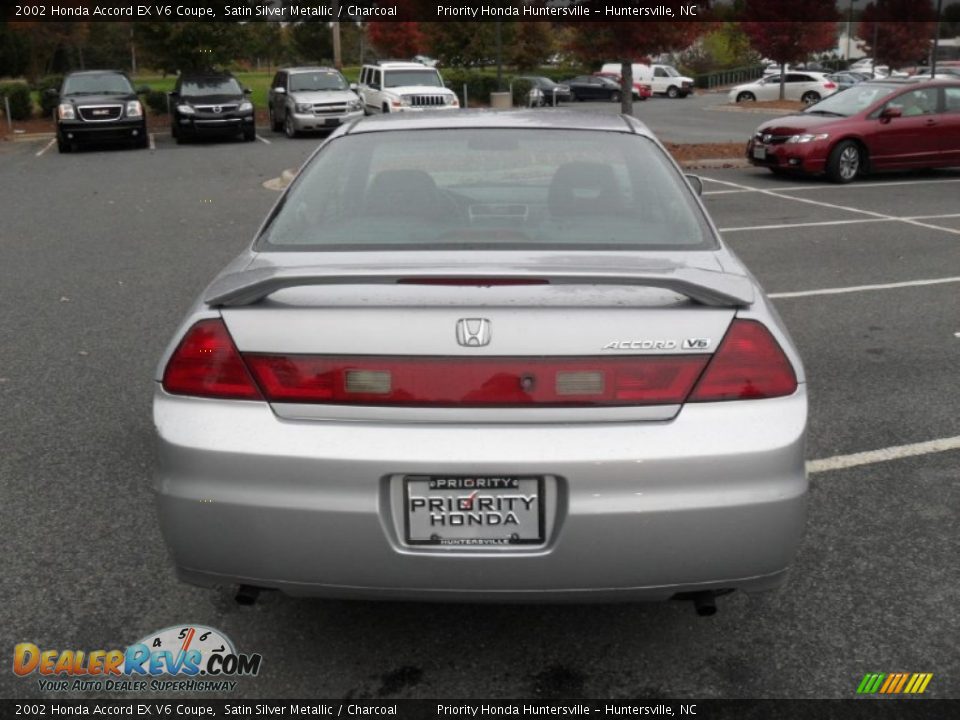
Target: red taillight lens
(207,364)
(829,85)
(749,364)
(476,382)
(475,281)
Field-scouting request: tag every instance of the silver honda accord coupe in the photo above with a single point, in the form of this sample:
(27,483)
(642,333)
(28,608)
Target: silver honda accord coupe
(484,356)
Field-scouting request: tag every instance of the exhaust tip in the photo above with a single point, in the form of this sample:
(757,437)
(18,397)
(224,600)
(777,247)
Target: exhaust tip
(705,604)
(247,595)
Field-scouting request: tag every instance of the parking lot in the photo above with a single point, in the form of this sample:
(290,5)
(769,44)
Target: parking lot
(101,252)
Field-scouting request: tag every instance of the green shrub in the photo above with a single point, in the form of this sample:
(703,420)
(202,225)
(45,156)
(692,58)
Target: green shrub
(156,100)
(479,84)
(521,92)
(48,103)
(21,104)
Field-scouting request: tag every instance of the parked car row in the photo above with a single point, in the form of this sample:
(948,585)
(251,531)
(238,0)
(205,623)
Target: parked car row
(808,87)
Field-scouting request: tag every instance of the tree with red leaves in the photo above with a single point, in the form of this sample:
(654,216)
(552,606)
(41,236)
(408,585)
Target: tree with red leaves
(630,42)
(889,40)
(775,33)
(396,39)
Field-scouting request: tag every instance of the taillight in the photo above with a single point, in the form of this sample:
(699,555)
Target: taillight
(476,382)
(749,364)
(467,281)
(829,85)
(206,364)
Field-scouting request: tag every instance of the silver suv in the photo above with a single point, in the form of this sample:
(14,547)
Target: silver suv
(391,86)
(307,99)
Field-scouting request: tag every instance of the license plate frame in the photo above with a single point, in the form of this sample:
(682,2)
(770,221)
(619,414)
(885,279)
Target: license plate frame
(532,520)
(759,152)
(331,122)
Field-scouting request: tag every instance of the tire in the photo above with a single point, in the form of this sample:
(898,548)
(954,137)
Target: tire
(746,97)
(288,127)
(810,97)
(845,162)
(174,131)
(385,109)
(779,171)
(615,96)
(275,125)
(62,145)
(673,92)
(249,135)
(142,141)
(573,96)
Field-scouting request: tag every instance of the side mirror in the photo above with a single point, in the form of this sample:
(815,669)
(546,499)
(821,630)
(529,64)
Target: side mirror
(247,91)
(143,90)
(353,86)
(696,183)
(280,90)
(889,113)
(173,93)
(51,93)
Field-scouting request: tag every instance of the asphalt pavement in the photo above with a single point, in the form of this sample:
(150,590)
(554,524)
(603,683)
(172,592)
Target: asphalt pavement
(102,252)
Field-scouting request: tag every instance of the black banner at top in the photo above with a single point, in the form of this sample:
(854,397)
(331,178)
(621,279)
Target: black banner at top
(449,10)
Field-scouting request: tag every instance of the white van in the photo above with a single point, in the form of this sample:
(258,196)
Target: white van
(663,79)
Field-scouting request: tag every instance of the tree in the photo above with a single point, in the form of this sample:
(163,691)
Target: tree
(312,41)
(533,44)
(775,33)
(891,41)
(467,44)
(630,42)
(173,46)
(396,39)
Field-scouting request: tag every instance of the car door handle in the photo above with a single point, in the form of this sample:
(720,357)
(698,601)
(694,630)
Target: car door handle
(931,121)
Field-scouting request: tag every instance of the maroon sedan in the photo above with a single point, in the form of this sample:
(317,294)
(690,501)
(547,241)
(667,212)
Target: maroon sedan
(872,126)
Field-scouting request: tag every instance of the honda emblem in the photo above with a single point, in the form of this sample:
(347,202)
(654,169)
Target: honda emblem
(473,332)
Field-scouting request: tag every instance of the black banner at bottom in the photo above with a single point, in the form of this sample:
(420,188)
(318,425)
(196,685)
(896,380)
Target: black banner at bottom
(865,709)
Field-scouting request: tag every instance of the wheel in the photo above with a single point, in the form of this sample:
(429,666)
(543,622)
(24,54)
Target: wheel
(777,171)
(385,109)
(573,96)
(174,130)
(673,92)
(249,134)
(288,127)
(845,162)
(615,96)
(62,145)
(142,141)
(275,124)
(746,97)
(809,98)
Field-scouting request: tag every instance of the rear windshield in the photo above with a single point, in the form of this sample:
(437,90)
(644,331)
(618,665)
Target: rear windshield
(106,84)
(316,81)
(484,189)
(210,86)
(852,100)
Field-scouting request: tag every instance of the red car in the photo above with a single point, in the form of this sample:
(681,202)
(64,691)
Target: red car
(640,90)
(875,125)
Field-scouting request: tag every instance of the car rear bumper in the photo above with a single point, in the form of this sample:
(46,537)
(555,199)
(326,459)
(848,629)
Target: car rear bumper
(801,157)
(712,499)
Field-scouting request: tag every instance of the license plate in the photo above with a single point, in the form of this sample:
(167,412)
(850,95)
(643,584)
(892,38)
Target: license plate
(473,511)
(760,152)
(332,121)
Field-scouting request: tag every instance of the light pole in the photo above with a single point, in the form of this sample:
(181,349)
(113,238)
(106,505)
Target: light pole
(936,42)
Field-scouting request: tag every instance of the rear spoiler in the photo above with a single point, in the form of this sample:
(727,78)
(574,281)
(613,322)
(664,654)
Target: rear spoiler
(703,286)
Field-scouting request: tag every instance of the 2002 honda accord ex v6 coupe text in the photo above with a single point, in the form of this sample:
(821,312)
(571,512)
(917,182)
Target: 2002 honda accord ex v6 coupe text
(484,356)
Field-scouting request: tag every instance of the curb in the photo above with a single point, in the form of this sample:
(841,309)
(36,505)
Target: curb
(715,164)
(753,111)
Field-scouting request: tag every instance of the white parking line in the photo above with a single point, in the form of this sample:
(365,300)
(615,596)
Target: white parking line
(824,223)
(263,140)
(46,147)
(865,288)
(845,208)
(153,143)
(897,452)
(825,186)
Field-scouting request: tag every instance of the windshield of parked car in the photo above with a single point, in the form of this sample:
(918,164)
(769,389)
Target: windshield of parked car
(105,84)
(671,71)
(851,101)
(199,87)
(488,188)
(317,81)
(402,78)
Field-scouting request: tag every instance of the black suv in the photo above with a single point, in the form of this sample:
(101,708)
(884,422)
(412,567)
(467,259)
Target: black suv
(99,105)
(210,104)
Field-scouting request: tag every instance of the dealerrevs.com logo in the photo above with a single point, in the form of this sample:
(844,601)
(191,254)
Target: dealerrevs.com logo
(187,658)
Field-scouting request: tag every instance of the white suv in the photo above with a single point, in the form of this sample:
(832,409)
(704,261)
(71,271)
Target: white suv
(404,87)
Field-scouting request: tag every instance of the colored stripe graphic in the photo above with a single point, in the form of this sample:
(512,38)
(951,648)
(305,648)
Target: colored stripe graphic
(894,683)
